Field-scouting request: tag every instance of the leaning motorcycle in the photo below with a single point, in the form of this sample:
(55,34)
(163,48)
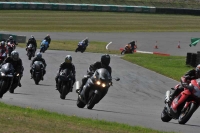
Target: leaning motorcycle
(44,46)
(188,107)
(98,84)
(37,71)
(64,82)
(10,47)
(127,50)
(81,47)
(30,51)
(6,78)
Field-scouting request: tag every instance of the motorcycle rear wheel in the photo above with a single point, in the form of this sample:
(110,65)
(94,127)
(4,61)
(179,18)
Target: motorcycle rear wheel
(186,114)
(164,116)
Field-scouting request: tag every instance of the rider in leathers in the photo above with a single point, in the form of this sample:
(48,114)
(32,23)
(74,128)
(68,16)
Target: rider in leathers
(32,41)
(67,64)
(104,63)
(17,64)
(11,40)
(38,58)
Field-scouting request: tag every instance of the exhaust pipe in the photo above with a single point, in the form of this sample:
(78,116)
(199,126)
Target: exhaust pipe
(167,96)
(77,85)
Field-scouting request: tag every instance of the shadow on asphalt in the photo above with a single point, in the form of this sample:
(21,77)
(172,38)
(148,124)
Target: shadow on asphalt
(191,125)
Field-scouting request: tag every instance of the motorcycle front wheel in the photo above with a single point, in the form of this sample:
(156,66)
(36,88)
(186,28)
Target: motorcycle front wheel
(164,116)
(93,100)
(80,104)
(123,52)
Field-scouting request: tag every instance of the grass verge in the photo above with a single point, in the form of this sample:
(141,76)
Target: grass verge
(17,120)
(74,21)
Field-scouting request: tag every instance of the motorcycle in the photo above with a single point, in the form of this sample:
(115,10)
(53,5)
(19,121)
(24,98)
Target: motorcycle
(81,47)
(3,55)
(10,47)
(6,78)
(30,51)
(44,46)
(188,107)
(127,50)
(64,82)
(37,71)
(99,83)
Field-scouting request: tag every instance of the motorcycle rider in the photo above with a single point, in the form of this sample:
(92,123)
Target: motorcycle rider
(104,63)
(67,64)
(86,42)
(17,64)
(190,75)
(48,39)
(11,40)
(38,58)
(132,43)
(32,41)
(2,47)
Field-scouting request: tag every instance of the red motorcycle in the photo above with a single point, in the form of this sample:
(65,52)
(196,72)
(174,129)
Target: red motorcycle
(184,104)
(10,47)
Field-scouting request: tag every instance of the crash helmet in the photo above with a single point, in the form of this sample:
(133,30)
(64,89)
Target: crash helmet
(32,37)
(198,70)
(39,55)
(105,59)
(10,37)
(2,43)
(68,59)
(15,55)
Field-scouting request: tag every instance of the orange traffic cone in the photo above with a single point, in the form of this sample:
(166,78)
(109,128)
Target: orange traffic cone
(179,45)
(156,46)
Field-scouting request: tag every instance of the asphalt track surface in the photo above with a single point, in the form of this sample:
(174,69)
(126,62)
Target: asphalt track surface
(137,99)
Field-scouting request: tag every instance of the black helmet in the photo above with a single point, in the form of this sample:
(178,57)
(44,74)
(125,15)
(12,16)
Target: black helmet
(198,70)
(39,55)
(15,55)
(68,59)
(105,59)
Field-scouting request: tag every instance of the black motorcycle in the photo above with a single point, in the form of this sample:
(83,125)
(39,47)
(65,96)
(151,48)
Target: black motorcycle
(37,71)
(64,82)
(6,78)
(30,51)
(98,84)
(81,47)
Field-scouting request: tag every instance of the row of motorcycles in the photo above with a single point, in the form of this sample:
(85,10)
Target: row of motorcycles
(31,49)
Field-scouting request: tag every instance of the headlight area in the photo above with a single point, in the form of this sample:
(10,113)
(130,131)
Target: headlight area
(101,84)
(2,74)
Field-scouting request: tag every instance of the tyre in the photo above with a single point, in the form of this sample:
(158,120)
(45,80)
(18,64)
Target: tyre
(29,56)
(80,104)
(123,52)
(37,79)
(3,88)
(92,101)
(164,116)
(76,50)
(64,91)
(187,113)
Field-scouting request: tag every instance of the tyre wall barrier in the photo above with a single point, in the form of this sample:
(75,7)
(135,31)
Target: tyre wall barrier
(193,59)
(18,38)
(74,7)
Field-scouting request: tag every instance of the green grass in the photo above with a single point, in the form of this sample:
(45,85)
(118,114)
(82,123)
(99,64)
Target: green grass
(17,120)
(68,45)
(72,21)
(170,66)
